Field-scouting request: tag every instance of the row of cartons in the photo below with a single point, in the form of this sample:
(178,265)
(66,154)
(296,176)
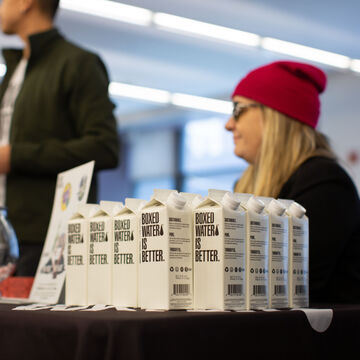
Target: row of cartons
(180,251)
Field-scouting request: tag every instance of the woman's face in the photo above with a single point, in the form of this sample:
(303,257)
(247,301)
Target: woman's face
(247,129)
(10,15)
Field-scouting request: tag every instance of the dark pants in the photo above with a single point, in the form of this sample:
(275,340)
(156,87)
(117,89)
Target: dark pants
(29,259)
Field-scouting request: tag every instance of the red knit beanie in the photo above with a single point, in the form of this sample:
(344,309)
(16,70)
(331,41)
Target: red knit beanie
(289,87)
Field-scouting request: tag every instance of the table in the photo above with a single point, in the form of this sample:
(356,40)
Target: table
(112,334)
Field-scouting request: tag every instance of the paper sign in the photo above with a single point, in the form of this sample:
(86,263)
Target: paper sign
(72,189)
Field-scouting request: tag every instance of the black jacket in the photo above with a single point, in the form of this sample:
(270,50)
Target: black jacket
(333,208)
(62,118)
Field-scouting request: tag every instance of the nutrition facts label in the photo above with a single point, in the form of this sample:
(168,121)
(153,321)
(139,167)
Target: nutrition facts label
(258,261)
(278,253)
(300,262)
(234,260)
(180,260)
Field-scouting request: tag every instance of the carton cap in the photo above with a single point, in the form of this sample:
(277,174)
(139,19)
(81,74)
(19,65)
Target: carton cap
(193,200)
(229,200)
(176,200)
(296,210)
(255,205)
(242,197)
(276,207)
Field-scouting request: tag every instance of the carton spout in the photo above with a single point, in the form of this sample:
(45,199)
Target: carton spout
(297,210)
(176,200)
(230,201)
(276,207)
(255,205)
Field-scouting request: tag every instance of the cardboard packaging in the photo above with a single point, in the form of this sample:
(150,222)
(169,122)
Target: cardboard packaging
(257,252)
(125,257)
(77,255)
(298,255)
(278,253)
(192,200)
(165,265)
(100,254)
(219,253)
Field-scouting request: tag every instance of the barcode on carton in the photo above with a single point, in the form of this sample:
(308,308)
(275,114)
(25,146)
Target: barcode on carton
(259,290)
(235,289)
(300,290)
(279,289)
(181,289)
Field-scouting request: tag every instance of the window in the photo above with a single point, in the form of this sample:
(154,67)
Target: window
(197,157)
(208,159)
(151,161)
(143,189)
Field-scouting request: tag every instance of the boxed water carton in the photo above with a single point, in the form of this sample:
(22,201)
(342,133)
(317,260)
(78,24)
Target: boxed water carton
(193,200)
(298,254)
(99,265)
(165,265)
(278,253)
(125,259)
(111,207)
(219,252)
(257,251)
(77,255)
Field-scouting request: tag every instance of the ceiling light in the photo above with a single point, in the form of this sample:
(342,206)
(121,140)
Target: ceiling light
(202,103)
(205,29)
(164,97)
(136,15)
(110,10)
(305,52)
(355,65)
(2,70)
(139,92)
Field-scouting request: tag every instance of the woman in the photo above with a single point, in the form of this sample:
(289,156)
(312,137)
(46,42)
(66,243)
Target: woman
(276,110)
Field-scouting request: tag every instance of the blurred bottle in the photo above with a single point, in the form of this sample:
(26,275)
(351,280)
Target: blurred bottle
(9,247)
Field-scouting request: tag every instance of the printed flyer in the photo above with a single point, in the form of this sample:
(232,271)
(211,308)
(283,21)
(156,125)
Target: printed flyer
(72,189)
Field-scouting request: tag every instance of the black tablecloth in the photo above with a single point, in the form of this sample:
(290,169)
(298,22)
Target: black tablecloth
(112,334)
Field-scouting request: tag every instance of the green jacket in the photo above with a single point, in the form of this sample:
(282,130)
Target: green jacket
(62,118)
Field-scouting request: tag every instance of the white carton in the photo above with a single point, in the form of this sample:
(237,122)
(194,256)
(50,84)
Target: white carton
(219,253)
(77,255)
(165,265)
(298,255)
(111,207)
(125,259)
(257,252)
(99,265)
(278,253)
(193,200)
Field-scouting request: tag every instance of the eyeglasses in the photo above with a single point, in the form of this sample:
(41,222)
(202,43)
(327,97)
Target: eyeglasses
(240,108)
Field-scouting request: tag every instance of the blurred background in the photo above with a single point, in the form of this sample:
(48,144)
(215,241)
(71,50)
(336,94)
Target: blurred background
(172,78)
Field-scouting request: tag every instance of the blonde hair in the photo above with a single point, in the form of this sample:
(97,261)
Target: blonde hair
(286,144)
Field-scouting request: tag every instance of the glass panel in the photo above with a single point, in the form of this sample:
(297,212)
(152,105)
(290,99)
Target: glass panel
(207,146)
(151,154)
(201,184)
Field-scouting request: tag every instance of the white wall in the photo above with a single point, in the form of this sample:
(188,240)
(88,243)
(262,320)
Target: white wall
(340,118)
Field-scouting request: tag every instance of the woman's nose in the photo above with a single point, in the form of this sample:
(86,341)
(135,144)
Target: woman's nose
(230,124)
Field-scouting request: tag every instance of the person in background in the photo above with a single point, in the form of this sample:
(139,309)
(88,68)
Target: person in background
(276,111)
(55,114)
